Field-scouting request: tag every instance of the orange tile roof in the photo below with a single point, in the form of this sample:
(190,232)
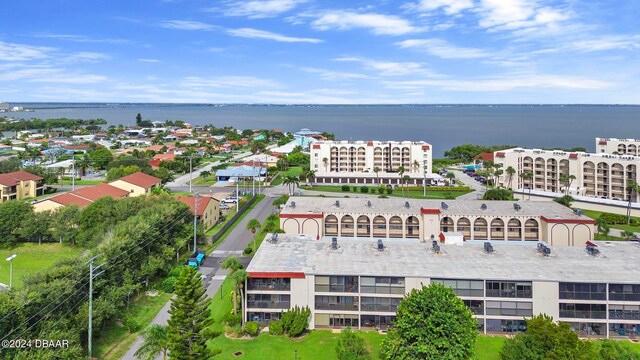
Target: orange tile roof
(203,202)
(93,193)
(155,147)
(12,179)
(141,179)
(70,199)
(164,157)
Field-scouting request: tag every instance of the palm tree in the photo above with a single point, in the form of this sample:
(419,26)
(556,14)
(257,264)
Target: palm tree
(238,278)
(325,161)
(233,265)
(83,164)
(291,182)
(310,175)
(527,176)
(510,171)
(155,342)
(626,234)
(450,176)
(416,165)
(633,188)
(253,225)
(497,175)
(377,170)
(565,200)
(602,226)
(205,174)
(404,180)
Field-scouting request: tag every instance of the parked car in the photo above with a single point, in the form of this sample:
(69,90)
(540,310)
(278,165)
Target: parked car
(230,200)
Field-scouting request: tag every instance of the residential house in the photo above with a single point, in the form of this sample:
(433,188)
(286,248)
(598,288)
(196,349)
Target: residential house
(20,185)
(137,184)
(81,197)
(207,209)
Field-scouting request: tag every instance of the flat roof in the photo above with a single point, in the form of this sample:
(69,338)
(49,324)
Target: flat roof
(617,262)
(319,205)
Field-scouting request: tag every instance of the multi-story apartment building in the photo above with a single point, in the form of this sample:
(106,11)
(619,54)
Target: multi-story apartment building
(359,283)
(20,185)
(349,218)
(356,162)
(597,175)
(618,146)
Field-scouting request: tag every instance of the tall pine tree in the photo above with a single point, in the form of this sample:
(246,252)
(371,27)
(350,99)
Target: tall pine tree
(190,318)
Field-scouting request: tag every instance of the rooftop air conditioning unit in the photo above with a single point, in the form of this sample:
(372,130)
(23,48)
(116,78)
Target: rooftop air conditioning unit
(334,243)
(380,245)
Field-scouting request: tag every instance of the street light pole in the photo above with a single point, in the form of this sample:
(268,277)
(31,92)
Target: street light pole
(190,172)
(10,260)
(73,176)
(92,276)
(195,221)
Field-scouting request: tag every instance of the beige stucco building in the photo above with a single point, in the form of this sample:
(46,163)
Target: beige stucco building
(396,218)
(80,198)
(599,175)
(207,208)
(359,283)
(20,185)
(353,162)
(137,184)
(618,146)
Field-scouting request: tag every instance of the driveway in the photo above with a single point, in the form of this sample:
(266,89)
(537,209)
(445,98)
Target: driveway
(478,188)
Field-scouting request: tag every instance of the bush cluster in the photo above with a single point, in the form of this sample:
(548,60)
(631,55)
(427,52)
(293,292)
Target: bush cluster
(616,219)
(251,328)
(232,320)
(295,321)
(275,328)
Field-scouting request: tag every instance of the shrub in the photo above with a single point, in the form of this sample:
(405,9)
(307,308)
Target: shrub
(236,330)
(615,219)
(382,196)
(381,190)
(248,250)
(389,191)
(296,320)
(168,285)
(364,189)
(355,189)
(232,320)
(251,328)
(132,324)
(275,328)
(175,272)
(345,187)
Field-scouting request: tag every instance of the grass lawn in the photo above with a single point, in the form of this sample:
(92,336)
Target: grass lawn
(413,194)
(67,181)
(114,341)
(212,159)
(32,258)
(293,171)
(200,181)
(277,180)
(596,214)
(488,347)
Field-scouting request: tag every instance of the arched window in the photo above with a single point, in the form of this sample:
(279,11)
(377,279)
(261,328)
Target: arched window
(346,226)
(514,231)
(447,225)
(395,227)
(364,226)
(464,227)
(412,227)
(379,226)
(331,225)
(497,229)
(531,230)
(480,229)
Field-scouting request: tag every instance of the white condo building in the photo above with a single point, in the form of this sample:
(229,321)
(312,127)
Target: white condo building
(600,175)
(618,146)
(353,162)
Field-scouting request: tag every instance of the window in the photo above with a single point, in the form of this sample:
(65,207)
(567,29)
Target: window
(278,284)
(583,291)
(377,321)
(626,312)
(380,304)
(337,284)
(509,308)
(263,318)
(506,325)
(583,311)
(509,289)
(268,301)
(349,303)
(463,287)
(382,285)
(624,292)
(476,306)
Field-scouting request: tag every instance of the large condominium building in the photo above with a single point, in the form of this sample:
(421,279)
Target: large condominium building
(598,175)
(359,283)
(348,218)
(618,146)
(356,162)
(20,185)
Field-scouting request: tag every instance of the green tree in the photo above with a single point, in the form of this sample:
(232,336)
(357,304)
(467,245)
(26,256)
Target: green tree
(565,200)
(626,234)
(498,194)
(155,342)
(291,182)
(253,225)
(325,161)
(205,174)
(138,119)
(100,158)
(233,265)
(351,346)
(238,278)
(190,316)
(634,189)
(526,178)
(121,171)
(545,339)
(602,226)
(615,350)
(12,216)
(376,170)
(432,323)
(510,171)
(310,175)
(82,164)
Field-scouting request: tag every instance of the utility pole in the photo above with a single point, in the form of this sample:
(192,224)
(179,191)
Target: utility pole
(91,277)
(190,172)
(10,260)
(424,181)
(73,175)
(195,220)
(253,176)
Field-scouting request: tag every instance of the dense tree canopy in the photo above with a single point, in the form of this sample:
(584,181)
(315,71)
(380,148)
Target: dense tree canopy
(432,323)
(468,152)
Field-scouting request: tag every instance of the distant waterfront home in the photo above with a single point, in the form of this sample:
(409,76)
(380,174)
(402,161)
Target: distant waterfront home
(242,172)
(137,184)
(206,208)
(20,185)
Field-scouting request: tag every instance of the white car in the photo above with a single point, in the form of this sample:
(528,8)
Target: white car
(230,200)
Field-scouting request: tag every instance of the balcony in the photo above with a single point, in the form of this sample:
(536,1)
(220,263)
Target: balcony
(337,306)
(269,304)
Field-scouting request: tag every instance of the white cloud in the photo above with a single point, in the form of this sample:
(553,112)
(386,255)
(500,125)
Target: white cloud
(21,52)
(614,42)
(149,60)
(378,24)
(261,34)
(334,75)
(259,9)
(45,74)
(390,68)
(518,14)
(81,38)
(442,49)
(187,25)
(229,82)
(86,56)
(450,7)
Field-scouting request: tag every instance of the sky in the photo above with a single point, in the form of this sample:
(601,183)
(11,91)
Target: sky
(321,52)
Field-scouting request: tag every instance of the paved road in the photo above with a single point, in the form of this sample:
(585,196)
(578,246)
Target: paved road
(233,245)
(184,179)
(478,188)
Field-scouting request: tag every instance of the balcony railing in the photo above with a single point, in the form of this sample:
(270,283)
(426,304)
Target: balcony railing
(336,306)
(269,304)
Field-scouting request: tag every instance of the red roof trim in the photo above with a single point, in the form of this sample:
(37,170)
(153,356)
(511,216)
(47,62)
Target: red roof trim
(602,142)
(273,275)
(303,216)
(573,156)
(316,146)
(568,221)
(370,143)
(429,211)
(500,154)
(426,147)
